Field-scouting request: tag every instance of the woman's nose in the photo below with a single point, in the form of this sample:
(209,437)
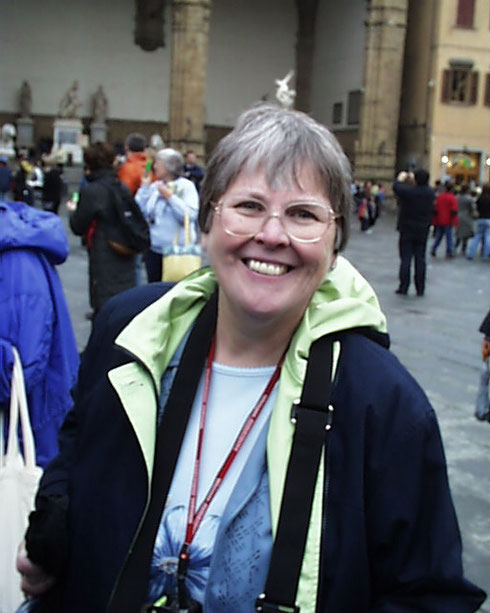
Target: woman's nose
(273,231)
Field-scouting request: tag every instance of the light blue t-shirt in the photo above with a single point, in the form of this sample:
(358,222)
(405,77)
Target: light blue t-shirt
(233,394)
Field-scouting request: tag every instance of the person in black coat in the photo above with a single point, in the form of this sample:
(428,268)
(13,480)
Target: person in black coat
(109,271)
(52,186)
(416,204)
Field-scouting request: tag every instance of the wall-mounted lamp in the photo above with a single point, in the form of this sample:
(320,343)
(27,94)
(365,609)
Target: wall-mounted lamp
(444,159)
(487,161)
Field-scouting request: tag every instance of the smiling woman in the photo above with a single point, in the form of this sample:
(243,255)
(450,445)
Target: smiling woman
(211,505)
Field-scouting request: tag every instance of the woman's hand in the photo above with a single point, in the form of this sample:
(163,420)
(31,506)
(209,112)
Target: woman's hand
(165,191)
(35,582)
(146,179)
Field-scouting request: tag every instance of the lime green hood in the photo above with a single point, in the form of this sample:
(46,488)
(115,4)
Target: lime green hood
(344,300)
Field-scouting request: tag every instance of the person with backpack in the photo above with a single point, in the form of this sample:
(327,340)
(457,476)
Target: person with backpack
(110,271)
(245,441)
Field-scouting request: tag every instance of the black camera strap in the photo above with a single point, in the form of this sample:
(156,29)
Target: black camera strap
(131,589)
(312,416)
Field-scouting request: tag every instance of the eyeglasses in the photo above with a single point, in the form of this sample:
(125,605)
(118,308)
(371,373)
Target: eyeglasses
(304,222)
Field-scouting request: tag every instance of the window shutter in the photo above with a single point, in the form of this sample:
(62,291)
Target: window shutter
(354,108)
(474,88)
(337,113)
(466,10)
(446,85)
(487,91)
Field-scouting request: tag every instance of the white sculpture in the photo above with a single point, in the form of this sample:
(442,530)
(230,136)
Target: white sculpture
(7,135)
(156,142)
(285,95)
(69,104)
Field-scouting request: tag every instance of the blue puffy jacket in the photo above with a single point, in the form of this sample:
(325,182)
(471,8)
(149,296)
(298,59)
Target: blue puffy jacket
(35,319)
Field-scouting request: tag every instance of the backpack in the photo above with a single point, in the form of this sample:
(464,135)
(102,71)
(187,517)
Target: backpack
(130,233)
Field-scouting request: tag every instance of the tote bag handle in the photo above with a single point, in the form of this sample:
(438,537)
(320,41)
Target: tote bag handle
(18,409)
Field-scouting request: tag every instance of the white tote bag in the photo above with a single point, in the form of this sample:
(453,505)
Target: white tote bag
(19,478)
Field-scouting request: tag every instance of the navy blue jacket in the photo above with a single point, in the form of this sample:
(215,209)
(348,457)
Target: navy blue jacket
(391,542)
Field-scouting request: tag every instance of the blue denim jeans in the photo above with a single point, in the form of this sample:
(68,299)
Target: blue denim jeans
(482,234)
(441,231)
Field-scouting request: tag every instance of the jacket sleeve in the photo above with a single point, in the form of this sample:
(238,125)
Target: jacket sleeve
(485,325)
(86,211)
(187,202)
(413,531)
(28,325)
(47,532)
(402,189)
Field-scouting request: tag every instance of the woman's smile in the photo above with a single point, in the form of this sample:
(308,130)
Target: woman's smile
(266,268)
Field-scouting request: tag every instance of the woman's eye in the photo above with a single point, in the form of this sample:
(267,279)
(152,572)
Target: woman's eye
(249,207)
(302,214)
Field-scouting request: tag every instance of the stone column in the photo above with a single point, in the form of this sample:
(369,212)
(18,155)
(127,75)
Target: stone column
(375,154)
(190,30)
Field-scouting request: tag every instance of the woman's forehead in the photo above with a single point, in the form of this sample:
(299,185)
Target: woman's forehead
(305,179)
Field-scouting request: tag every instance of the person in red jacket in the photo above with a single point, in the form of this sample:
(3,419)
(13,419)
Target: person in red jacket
(445,217)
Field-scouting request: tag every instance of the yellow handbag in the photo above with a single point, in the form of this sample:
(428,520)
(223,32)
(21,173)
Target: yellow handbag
(178,261)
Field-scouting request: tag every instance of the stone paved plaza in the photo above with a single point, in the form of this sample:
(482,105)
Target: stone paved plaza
(436,337)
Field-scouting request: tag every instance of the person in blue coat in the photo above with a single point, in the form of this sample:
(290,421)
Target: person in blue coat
(35,320)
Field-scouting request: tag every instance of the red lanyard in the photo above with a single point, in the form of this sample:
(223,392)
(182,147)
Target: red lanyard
(194,518)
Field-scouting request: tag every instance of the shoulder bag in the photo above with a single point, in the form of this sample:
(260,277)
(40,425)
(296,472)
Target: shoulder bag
(180,260)
(19,478)
(482,409)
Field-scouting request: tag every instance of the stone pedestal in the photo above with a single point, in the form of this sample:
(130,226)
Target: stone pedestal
(67,137)
(98,133)
(25,132)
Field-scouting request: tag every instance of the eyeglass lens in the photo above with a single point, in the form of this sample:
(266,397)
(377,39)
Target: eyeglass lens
(303,221)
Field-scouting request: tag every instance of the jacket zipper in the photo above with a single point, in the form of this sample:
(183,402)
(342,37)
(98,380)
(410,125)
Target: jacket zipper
(136,359)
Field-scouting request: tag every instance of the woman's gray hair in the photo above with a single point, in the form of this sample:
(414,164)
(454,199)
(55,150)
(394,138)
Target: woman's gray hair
(172,160)
(281,142)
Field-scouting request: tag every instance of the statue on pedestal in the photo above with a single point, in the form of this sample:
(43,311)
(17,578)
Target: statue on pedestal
(99,106)
(69,104)
(7,135)
(25,100)
(285,95)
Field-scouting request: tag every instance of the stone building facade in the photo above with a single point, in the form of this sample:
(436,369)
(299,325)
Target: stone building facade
(402,83)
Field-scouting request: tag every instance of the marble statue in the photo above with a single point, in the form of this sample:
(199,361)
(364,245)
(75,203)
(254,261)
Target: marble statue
(25,100)
(285,95)
(156,142)
(7,135)
(69,104)
(100,106)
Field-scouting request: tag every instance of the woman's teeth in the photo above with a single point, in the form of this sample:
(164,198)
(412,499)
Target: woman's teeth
(265,268)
